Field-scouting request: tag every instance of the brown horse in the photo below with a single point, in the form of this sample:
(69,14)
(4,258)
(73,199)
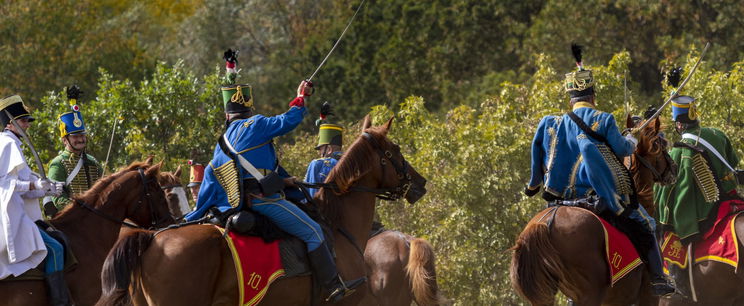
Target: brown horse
(570,254)
(92,226)
(192,265)
(716,284)
(178,204)
(402,270)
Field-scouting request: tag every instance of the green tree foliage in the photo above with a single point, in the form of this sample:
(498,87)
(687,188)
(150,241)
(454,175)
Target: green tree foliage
(476,160)
(171,114)
(475,157)
(49,44)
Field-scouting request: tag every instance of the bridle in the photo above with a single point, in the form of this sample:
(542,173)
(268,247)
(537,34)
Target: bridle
(145,197)
(402,171)
(658,176)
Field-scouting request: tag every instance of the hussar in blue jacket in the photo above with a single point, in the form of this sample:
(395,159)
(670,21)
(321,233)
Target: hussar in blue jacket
(251,136)
(570,162)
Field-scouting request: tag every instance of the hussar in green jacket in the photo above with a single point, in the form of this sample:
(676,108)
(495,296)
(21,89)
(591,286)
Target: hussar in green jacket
(75,168)
(689,206)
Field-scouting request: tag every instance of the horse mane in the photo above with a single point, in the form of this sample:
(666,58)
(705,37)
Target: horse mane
(102,187)
(354,164)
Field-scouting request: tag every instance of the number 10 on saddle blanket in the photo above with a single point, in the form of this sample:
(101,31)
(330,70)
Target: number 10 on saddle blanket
(257,265)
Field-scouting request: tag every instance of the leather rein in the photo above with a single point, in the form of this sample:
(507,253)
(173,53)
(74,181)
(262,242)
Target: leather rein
(389,194)
(658,176)
(144,197)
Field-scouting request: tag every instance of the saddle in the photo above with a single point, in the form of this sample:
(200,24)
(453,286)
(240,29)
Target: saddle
(292,250)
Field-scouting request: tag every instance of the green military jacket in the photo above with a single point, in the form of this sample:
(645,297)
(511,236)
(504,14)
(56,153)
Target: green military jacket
(701,184)
(61,166)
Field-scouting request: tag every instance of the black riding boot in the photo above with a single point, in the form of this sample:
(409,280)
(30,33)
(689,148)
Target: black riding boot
(324,267)
(59,294)
(660,285)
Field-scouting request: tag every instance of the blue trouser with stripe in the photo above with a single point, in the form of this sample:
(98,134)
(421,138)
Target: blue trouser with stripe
(642,217)
(55,259)
(290,219)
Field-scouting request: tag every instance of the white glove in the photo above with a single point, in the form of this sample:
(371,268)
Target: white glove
(41,184)
(632,139)
(55,189)
(50,188)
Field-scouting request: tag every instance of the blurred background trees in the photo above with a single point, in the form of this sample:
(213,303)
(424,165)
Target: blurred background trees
(466,80)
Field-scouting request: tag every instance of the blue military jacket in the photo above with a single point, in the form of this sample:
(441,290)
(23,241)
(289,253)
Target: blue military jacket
(318,170)
(569,164)
(252,138)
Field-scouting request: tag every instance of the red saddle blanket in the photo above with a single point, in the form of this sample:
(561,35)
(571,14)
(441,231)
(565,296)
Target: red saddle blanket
(257,265)
(718,244)
(622,257)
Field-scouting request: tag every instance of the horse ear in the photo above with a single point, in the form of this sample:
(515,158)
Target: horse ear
(148,161)
(629,121)
(154,170)
(366,123)
(657,125)
(177,173)
(388,124)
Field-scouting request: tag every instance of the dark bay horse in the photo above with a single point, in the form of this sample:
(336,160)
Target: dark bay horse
(192,265)
(570,255)
(401,270)
(130,193)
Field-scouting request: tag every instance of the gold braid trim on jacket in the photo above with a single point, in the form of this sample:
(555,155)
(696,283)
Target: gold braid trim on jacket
(704,178)
(227,176)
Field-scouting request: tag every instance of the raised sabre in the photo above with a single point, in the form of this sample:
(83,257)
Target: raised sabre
(28,142)
(337,41)
(675,91)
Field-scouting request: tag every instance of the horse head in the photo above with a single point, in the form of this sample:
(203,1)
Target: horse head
(150,204)
(175,194)
(132,193)
(392,179)
(651,160)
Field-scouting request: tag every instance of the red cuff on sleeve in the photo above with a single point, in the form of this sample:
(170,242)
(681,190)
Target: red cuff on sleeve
(299,102)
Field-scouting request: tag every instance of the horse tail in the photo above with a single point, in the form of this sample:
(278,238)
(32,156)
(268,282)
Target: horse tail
(121,264)
(536,268)
(421,272)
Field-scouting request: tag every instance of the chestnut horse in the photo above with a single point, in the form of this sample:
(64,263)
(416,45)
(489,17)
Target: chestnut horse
(192,265)
(178,203)
(716,283)
(401,270)
(570,254)
(91,225)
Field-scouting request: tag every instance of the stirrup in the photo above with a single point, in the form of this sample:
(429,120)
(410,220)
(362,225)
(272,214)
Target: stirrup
(344,291)
(662,289)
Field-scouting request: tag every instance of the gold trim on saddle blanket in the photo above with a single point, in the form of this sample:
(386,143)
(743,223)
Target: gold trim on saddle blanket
(612,259)
(239,271)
